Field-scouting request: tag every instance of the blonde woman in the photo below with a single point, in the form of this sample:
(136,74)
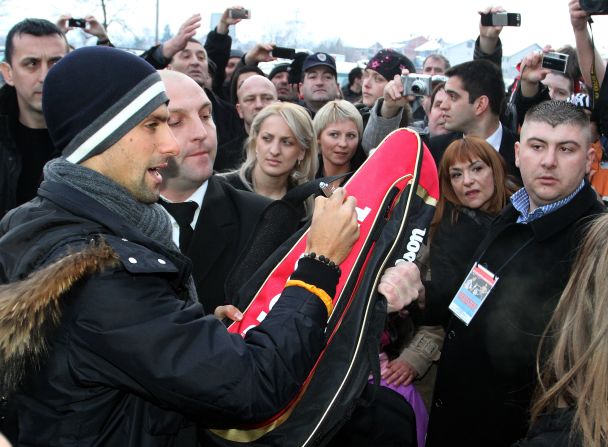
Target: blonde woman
(338,126)
(281,152)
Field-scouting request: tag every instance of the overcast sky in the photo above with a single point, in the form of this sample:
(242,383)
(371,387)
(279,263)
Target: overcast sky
(385,21)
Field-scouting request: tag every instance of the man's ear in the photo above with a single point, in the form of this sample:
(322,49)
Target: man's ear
(481,104)
(589,160)
(7,73)
(238,110)
(517,154)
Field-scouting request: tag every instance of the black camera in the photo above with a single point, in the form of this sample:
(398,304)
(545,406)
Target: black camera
(594,7)
(239,13)
(283,52)
(555,61)
(77,23)
(501,19)
(417,84)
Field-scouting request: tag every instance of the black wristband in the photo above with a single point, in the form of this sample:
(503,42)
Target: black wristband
(331,264)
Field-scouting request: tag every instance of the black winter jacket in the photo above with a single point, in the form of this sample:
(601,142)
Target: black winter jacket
(487,372)
(552,430)
(10,161)
(450,252)
(107,348)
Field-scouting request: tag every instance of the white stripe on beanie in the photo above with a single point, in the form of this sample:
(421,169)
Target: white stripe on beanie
(118,120)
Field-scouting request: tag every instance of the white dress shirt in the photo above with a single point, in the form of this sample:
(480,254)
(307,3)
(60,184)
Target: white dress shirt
(196,197)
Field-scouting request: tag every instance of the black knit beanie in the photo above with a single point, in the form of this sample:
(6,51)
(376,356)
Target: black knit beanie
(388,63)
(279,68)
(93,96)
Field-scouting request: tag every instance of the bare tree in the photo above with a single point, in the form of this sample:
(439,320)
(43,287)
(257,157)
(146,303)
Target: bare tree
(111,14)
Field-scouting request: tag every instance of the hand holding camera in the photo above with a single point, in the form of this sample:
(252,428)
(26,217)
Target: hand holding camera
(417,84)
(490,26)
(532,73)
(77,23)
(63,23)
(578,16)
(239,13)
(532,69)
(394,100)
(262,52)
(232,16)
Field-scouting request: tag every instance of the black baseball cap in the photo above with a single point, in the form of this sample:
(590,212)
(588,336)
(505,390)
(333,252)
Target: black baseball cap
(316,59)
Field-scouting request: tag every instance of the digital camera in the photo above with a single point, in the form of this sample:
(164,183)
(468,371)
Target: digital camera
(555,61)
(594,7)
(77,23)
(417,85)
(501,19)
(239,13)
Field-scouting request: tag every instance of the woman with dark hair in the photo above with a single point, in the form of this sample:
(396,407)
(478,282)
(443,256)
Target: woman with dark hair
(571,406)
(474,188)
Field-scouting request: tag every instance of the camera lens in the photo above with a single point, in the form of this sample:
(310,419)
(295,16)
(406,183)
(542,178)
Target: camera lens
(417,87)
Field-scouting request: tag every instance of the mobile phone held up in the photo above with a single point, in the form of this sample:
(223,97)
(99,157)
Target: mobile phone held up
(501,19)
(77,23)
(283,53)
(239,13)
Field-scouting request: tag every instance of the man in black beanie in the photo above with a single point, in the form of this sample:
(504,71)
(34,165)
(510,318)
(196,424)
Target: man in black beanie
(279,75)
(102,341)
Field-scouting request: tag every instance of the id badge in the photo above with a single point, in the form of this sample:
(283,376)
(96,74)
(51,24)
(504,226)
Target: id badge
(472,293)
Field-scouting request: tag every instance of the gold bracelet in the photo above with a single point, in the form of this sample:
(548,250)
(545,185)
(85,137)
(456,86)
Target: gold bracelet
(322,294)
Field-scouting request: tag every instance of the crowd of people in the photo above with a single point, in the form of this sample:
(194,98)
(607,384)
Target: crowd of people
(132,186)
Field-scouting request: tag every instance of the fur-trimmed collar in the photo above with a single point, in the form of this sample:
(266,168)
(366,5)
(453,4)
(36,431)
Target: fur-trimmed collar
(31,307)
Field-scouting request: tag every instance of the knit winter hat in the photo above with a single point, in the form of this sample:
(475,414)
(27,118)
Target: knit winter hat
(236,53)
(279,68)
(389,63)
(95,95)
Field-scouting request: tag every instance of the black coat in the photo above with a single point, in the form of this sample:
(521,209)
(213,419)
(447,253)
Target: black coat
(450,253)
(218,50)
(226,223)
(438,144)
(231,154)
(487,372)
(131,360)
(10,160)
(552,430)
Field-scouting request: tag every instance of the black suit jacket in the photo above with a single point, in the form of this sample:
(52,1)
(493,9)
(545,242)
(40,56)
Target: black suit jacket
(225,224)
(438,144)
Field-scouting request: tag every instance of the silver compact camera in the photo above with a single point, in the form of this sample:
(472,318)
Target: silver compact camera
(417,84)
(555,61)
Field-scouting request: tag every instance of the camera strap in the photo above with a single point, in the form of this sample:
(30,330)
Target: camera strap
(594,81)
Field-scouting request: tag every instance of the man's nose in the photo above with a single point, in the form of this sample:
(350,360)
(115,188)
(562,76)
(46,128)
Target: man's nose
(549,159)
(168,144)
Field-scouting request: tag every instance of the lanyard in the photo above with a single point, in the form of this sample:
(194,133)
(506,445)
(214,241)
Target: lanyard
(524,245)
